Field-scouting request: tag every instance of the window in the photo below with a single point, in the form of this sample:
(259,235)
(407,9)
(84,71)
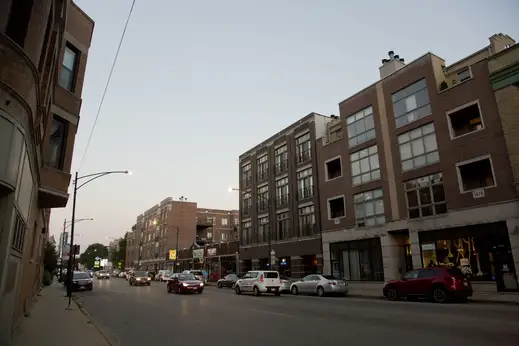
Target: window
(56,148)
(465,120)
(361,127)
(263,167)
(246,202)
(303,148)
(358,260)
(19,233)
(333,168)
(305,183)
(425,196)
(67,76)
(307,221)
(364,165)
(464,74)
(246,175)
(369,208)
(283,226)
(411,103)
(281,158)
(263,229)
(225,221)
(282,191)
(476,174)
(336,207)
(263,197)
(412,274)
(418,147)
(18,21)
(246,233)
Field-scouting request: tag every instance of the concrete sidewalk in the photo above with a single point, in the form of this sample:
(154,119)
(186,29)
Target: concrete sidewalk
(51,323)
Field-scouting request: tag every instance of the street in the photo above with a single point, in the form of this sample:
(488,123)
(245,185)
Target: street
(135,316)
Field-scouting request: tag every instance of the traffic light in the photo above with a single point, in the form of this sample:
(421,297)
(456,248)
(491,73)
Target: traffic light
(76,250)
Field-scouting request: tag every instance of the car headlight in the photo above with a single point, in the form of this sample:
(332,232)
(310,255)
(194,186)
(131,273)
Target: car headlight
(149,279)
(138,279)
(74,282)
(184,284)
(201,284)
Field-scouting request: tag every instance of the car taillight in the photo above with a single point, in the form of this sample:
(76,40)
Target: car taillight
(332,283)
(282,281)
(451,281)
(261,278)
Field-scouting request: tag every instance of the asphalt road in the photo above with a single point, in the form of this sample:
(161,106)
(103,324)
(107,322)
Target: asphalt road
(136,316)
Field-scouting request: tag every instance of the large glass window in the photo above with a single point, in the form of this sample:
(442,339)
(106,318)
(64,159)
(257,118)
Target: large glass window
(67,75)
(281,157)
(263,197)
(364,165)
(246,233)
(263,167)
(303,148)
(425,196)
(411,103)
(361,127)
(55,151)
(246,202)
(418,147)
(263,229)
(359,260)
(283,225)
(305,184)
(246,175)
(307,221)
(282,191)
(369,208)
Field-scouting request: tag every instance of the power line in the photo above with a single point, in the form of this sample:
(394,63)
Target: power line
(106,86)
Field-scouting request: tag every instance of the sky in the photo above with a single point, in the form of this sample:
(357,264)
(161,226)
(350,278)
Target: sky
(197,83)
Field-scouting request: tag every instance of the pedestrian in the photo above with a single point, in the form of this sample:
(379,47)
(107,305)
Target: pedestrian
(431,264)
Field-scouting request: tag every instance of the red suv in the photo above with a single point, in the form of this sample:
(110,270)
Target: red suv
(439,284)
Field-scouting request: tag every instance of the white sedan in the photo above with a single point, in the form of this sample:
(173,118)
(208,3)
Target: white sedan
(320,285)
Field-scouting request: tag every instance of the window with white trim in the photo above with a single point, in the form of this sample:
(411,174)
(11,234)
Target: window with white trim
(364,165)
(369,208)
(465,120)
(411,103)
(336,208)
(425,196)
(361,127)
(333,168)
(418,147)
(477,174)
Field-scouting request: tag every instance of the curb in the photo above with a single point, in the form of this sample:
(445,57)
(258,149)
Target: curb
(105,336)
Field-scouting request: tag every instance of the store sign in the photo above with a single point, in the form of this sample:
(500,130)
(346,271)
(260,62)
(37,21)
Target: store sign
(173,255)
(211,252)
(199,254)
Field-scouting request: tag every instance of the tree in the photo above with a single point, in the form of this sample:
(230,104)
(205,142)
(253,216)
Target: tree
(50,257)
(87,258)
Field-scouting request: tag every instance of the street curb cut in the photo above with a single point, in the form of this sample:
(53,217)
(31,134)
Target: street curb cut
(108,339)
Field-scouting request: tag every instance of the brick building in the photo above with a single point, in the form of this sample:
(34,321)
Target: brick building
(44,47)
(417,168)
(174,225)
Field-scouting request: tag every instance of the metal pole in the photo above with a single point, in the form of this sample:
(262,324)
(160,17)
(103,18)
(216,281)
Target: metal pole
(70,269)
(176,254)
(61,250)
(270,234)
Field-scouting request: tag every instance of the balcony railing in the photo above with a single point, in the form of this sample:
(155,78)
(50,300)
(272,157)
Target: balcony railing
(305,192)
(204,221)
(246,182)
(281,166)
(262,206)
(263,174)
(282,200)
(304,156)
(308,230)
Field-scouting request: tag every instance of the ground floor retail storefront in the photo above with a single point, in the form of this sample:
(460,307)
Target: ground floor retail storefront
(293,259)
(485,248)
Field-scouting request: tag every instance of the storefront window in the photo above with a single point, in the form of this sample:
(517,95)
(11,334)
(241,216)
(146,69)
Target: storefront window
(359,260)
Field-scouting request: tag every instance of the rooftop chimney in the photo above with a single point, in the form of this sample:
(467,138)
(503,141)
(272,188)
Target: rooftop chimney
(391,65)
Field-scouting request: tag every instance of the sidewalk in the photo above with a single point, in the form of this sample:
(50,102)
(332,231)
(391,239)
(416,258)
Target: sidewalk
(51,323)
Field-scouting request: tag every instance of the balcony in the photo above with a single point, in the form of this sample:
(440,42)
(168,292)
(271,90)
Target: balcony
(282,200)
(281,166)
(306,192)
(53,192)
(304,156)
(203,222)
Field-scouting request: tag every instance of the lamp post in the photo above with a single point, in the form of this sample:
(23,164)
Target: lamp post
(271,253)
(91,177)
(67,224)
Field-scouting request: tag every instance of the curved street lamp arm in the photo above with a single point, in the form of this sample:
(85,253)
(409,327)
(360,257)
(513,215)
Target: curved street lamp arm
(252,193)
(101,174)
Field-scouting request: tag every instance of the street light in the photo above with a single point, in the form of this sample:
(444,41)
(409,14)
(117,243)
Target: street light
(67,224)
(271,252)
(91,177)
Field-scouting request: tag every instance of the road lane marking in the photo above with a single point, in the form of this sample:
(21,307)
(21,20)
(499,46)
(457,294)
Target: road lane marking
(271,313)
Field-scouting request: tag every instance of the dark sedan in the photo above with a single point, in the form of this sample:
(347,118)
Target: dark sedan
(183,283)
(227,281)
(139,277)
(81,281)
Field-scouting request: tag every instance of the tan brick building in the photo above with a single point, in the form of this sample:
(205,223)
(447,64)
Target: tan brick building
(44,47)
(417,168)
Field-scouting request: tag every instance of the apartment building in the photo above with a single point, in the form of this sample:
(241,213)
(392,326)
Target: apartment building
(44,49)
(417,170)
(279,201)
(174,225)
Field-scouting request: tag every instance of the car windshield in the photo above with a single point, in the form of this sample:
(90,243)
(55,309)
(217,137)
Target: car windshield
(80,276)
(103,272)
(271,275)
(231,276)
(185,277)
(141,274)
(194,272)
(330,277)
(455,272)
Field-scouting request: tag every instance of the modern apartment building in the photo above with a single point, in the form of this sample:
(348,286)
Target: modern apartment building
(279,200)
(174,225)
(44,47)
(417,170)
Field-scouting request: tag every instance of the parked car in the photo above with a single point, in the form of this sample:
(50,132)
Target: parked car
(122,275)
(138,278)
(440,284)
(81,281)
(227,281)
(165,277)
(103,274)
(184,283)
(158,277)
(286,282)
(320,285)
(258,282)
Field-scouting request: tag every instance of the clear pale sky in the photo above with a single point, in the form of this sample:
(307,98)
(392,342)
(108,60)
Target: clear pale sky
(198,83)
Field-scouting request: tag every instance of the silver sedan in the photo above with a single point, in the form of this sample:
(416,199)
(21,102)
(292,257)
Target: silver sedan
(320,285)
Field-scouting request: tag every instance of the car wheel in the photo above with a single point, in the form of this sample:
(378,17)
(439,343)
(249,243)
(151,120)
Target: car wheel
(294,290)
(90,288)
(130,283)
(439,295)
(237,290)
(219,285)
(200,291)
(320,291)
(149,283)
(256,291)
(392,294)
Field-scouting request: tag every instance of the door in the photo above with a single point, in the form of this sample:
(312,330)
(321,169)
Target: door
(312,283)
(410,285)
(426,277)
(249,281)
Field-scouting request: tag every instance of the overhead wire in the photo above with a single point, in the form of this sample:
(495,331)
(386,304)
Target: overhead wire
(106,86)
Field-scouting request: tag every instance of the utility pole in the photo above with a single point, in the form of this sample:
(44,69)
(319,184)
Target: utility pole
(61,250)
(176,253)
